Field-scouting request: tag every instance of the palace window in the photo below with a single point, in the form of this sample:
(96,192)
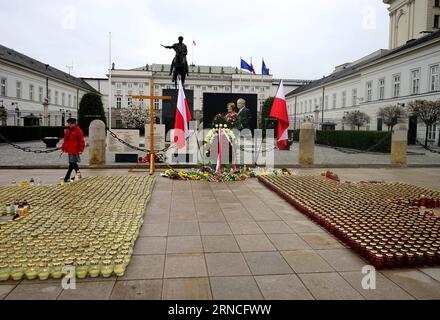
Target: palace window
(344,99)
(320,102)
(381,89)
(129,101)
(156,104)
(74,101)
(437,3)
(69,100)
(415,81)
(354,97)
(118,103)
(396,85)
(141,86)
(118,85)
(261,89)
(56,97)
(40,94)
(18,89)
(334,101)
(326,102)
(369,91)
(3,84)
(130,85)
(204,88)
(49,96)
(31,92)
(63,99)
(227,89)
(215,88)
(436,21)
(434,78)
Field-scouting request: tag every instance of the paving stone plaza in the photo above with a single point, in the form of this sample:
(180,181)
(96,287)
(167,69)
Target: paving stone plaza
(237,240)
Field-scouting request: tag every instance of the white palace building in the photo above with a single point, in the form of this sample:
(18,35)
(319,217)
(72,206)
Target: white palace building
(26,84)
(409,70)
(203,79)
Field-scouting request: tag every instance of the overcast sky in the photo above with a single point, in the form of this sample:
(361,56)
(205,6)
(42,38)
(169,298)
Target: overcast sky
(301,39)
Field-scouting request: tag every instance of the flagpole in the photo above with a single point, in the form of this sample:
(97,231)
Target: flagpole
(193,53)
(110,83)
(252,65)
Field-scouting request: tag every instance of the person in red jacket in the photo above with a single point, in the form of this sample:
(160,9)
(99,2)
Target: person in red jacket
(73,145)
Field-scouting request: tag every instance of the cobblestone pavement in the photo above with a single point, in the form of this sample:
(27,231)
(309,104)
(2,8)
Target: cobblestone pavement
(237,241)
(10,156)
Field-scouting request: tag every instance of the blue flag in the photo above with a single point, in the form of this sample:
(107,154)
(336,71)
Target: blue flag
(264,69)
(246,66)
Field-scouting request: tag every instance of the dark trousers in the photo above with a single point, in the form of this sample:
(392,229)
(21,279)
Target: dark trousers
(72,166)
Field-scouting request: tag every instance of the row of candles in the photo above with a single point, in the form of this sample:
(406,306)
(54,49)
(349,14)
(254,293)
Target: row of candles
(91,225)
(374,219)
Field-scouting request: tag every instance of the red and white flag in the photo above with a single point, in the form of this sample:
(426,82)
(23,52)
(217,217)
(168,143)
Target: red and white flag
(183,116)
(279,111)
(220,151)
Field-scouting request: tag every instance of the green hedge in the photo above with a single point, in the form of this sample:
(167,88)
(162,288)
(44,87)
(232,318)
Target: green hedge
(20,134)
(359,140)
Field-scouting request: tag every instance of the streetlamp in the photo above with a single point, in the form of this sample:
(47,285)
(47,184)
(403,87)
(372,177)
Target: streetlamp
(17,112)
(344,119)
(46,112)
(316,117)
(3,115)
(63,117)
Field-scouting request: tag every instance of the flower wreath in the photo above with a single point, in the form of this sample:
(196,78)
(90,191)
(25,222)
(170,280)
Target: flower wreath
(209,138)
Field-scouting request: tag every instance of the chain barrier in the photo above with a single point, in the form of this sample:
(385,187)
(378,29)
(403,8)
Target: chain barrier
(114,135)
(428,148)
(28,149)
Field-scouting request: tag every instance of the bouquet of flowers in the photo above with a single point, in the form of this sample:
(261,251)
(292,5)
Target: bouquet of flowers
(232,120)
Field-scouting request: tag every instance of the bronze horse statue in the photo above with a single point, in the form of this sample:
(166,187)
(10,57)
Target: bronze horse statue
(179,66)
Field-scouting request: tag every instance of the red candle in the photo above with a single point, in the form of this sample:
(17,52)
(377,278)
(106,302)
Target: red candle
(409,259)
(400,259)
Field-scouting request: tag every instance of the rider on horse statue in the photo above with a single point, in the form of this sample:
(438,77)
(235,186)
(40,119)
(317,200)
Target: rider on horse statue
(179,60)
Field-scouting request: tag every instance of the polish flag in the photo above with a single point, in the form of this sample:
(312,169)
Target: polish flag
(220,151)
(279,111)
(183,116)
